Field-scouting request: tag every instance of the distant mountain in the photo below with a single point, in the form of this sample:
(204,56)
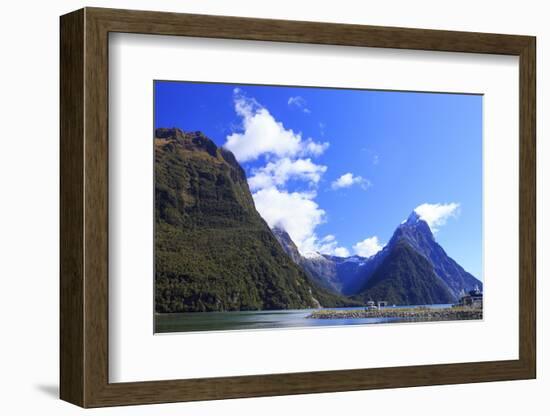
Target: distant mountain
(411,269)
(348,270)
(418,234)
(213,251)
(405,277)
(323,270)
(330,272)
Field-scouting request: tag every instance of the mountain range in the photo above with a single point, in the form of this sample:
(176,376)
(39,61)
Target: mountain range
(411,269)
(214,252)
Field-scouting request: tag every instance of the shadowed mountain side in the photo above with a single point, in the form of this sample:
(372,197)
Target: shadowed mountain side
(405,277)
(419,235)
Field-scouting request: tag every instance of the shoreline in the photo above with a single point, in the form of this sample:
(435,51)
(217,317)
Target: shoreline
(421,313)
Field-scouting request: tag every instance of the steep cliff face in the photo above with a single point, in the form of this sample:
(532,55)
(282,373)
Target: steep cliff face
(287,244)
(213,251)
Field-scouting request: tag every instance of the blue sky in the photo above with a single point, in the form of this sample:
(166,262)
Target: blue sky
(340,169)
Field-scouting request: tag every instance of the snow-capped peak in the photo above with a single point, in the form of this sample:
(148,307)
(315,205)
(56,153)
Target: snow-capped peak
(354,259)
(312,255)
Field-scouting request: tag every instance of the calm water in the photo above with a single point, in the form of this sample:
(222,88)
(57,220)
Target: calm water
(222,321)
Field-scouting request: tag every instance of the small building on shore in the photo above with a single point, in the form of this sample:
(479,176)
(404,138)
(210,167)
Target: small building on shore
(372,305)
(474,298)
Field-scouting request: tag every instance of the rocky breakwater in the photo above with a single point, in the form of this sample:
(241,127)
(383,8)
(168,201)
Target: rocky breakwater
(405,314)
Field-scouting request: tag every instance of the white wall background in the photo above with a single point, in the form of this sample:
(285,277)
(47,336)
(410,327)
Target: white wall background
(29,206)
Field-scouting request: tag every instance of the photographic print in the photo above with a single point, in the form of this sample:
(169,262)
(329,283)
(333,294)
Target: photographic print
(282,206)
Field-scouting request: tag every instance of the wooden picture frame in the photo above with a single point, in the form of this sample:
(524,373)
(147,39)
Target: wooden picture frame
(84,207)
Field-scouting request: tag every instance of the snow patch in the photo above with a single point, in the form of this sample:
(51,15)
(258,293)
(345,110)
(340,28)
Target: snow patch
(313,255)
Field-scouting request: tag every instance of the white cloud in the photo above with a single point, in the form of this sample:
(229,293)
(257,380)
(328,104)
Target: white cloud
(341,252)
(314,148)
(299,102)
(368,247)
(348,179)
(436,215)
(263,135)
(329,245)
(297,213)
(287,157)
(279,172)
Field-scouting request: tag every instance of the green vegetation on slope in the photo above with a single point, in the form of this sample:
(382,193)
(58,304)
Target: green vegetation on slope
(213,251)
